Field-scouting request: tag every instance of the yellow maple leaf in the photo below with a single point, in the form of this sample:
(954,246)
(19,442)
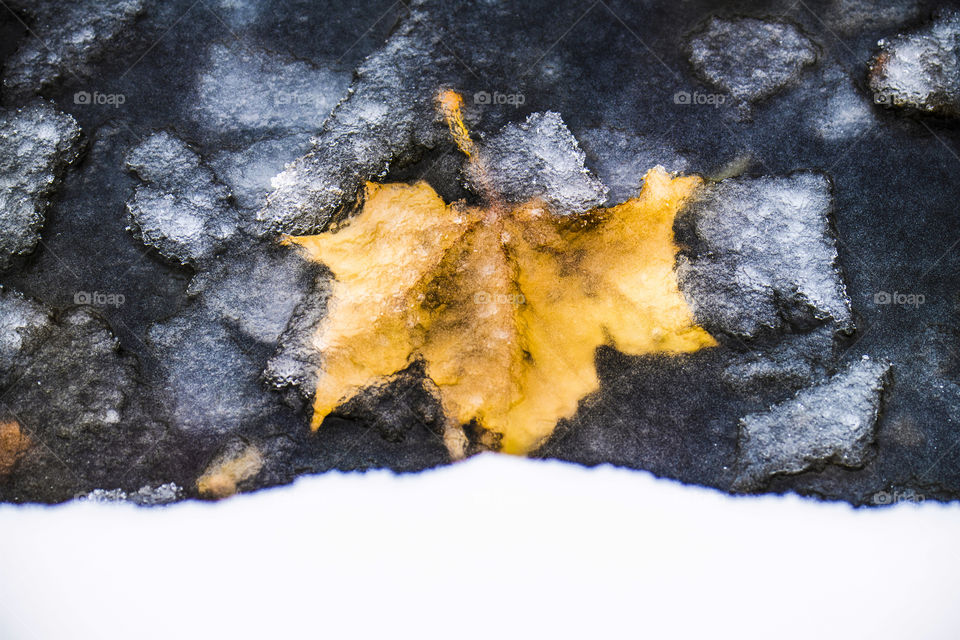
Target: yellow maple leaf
(505,304)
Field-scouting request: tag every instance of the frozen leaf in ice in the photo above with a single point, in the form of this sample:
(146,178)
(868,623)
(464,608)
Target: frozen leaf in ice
(505,303)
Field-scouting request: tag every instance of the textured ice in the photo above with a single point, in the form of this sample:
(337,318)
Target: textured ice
(23,324)
(538,158)
(389,109)
(750,58)
(77,397)
(240,297)
(846,113)
(209,378)
(78,380)
(795,361)
(249,172)
(156,495)
(833,422)
(297,360)
(620,160)
(180,210)
(238,13)
(37,143)
(761,255)
(921,70)
(255,289)
(851,16)
(66,36)
(244,89)
(267,108)
(145,496)
(104,495)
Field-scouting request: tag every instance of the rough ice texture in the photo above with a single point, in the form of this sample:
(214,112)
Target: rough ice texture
(37,143)
(750,58)
(144,496)
(846,114)
(256,289)
(852,16)
(833,422)
(921,70)
(761,256)
(212,352)
(69,35)
(180,210)
(242,88)
(79,380)
(77,397)
(387,111)
(297,360)
(24,323)
(796,361)
(620,160)
(239,14)
(267,107)
(250,172)
(538,158)
(209,379)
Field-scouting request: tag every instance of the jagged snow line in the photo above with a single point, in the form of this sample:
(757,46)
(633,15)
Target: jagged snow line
(493,547)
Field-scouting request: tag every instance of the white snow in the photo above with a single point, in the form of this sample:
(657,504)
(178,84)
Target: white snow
(494,547)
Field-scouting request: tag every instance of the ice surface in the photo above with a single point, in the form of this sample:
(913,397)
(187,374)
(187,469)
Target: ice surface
(390,108)
(851,16)
(78,399)
(267,108)
(833,422)
(921,70)
(68,35)
(209,379)
(238,13)
(538,158)
(23,324)
(582,78)
(256,288)
(842,112)
(796,361)
(750,58)
(762,256)
(181,210)
(243,89)
(847,116)
(620,160)
(78,380)
(297,360)
(250,172)
(37,143)
(390,114)
(156,495)
(145,496)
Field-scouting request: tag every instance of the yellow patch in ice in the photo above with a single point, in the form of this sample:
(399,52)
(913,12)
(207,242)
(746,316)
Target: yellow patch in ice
(221,478)
(505,304)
